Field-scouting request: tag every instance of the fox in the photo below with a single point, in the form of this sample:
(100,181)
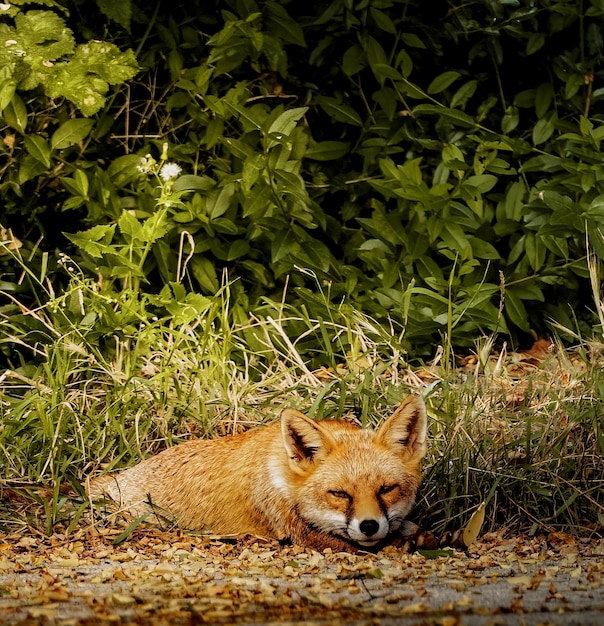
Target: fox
(317,483)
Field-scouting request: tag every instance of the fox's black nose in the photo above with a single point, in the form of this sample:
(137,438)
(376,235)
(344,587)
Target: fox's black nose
(369,527)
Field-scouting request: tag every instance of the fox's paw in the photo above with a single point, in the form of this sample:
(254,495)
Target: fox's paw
(412,537)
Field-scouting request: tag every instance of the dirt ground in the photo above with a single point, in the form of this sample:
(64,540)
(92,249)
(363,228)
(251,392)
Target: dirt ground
(175,578)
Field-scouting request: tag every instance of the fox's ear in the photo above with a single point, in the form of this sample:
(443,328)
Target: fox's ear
(405,430)
(304,439)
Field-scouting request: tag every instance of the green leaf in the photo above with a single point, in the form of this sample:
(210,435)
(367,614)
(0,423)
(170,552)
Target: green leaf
(130,226)
(282,245)
(544,129)
(219,201)
(38,148)
(442,81)
(515,310)
(354,60)
(95,241)
(534,43)
(382,20)
(287,121)
(573,83)
(7,92)
(382,71)
(78,185)
(327,150)
(119,11)
(15,114)
(30,168)
(70,133)
(205,273)
(535,251)
(464,93)
(543,99)
(412,40)
(454,115)
(191,182)
(286,28)
(340,112)
(510,119)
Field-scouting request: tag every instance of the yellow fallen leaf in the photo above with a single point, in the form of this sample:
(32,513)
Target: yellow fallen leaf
(472,529)
(418,607)
(70,562)
(119,598)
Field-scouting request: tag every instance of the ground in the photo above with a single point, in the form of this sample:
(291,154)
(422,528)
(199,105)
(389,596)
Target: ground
(176,578)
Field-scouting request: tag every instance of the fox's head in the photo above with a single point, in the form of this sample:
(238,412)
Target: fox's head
(354,483)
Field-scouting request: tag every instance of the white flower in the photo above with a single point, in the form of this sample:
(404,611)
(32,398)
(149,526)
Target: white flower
(169,171)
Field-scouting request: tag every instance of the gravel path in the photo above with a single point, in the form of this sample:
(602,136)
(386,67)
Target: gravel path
(175,578)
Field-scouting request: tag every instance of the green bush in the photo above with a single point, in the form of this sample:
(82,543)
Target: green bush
(436,166)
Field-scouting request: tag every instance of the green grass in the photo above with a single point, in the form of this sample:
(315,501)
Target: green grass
(529,440)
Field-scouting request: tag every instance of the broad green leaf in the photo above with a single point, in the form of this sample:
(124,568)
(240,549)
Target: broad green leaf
(382,20)
(239,248)
(119,11)
(191,182)
(340,112)
(382,71)
(78,185)
(244,114)
(285,27)
(573,83)
(556,201)
(7,92)
(412,40)
(354,60)
(38,148)
(463,94)
(287,121)
(515,310)
(534,43)
(544,129)
(15,114)
(327,150)
(482,183)
(535,251)
(219,201)
(510,119)
(30,168)
(204,272)
(442,81)
(282,245)
(70,133)
(214,131)
(543,99)
(124,169)
(483,249)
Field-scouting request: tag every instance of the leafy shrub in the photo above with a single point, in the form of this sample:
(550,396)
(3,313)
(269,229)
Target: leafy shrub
(435,166)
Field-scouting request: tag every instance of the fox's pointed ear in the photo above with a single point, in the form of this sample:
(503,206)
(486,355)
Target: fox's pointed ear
(405,430)
(304,439)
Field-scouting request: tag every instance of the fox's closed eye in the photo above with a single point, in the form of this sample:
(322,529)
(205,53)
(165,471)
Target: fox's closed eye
(387,489)
(340,494)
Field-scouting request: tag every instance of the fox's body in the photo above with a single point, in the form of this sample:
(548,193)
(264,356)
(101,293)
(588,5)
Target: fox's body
(321,484)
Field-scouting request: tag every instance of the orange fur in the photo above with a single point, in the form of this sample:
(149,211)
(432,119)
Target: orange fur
(321,484)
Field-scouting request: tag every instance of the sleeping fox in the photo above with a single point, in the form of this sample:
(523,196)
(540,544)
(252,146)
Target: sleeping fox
(322,484)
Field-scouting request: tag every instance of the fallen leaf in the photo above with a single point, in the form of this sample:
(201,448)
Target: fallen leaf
(472,529)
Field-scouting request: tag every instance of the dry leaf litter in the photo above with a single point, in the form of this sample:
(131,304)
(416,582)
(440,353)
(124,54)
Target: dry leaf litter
(174,578)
